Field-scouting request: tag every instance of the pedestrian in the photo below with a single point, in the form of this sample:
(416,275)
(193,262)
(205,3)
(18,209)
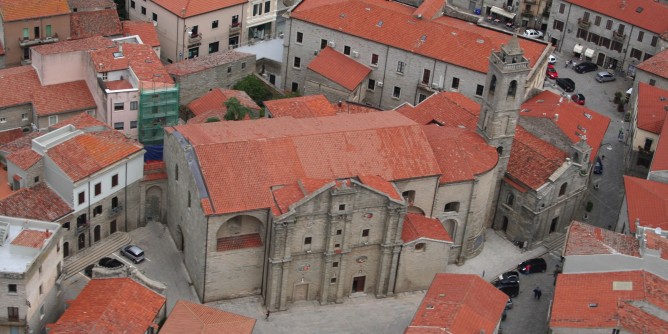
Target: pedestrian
(535,293)
(268,313)
(540,293)
(568,62)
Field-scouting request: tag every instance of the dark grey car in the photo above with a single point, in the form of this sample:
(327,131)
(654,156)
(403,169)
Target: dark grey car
(566,84)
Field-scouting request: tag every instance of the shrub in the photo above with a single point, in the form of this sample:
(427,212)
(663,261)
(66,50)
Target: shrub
(589,206)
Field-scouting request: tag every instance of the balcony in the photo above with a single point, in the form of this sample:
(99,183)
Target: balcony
(15,322)
(115,211)
(527,13)
(425,85)
(235,28)
(584,24)
(26,41)
(617,37)
(194,38)
(82,227)
(50,39)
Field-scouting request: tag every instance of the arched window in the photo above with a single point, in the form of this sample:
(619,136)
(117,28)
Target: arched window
(510,200)
(562,190)
(452,206)
(492,85)
(499,150)
(420,247)
(512,88)
(176,172)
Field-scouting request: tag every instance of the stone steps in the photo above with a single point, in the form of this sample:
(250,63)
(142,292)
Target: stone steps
(555,243)
(79,261)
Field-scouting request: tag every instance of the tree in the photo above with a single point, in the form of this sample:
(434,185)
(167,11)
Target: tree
(235,111)
(255,88)
(212,120)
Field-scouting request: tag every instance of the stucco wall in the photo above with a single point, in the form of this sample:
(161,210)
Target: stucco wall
(60,25)
(417,268)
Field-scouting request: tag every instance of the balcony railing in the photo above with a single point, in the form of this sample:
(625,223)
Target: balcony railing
(617,37)
(82,228)
(115,211)
(584,24)
(194,38)
(235,28)
(18,322)
(26,41)
(426,86)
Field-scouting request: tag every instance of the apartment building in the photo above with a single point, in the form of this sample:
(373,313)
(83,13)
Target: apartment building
(31,261)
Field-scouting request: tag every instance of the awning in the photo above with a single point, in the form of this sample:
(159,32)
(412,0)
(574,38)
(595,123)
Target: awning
(589,53)
(578,48)
(502,12)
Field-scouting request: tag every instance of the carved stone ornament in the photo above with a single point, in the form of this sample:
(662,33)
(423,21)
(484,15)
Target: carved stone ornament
(304,267)
(361,259)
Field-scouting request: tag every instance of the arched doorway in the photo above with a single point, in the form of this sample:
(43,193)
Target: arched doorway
(82,241)
(66,249)
(153,204)
(96,233)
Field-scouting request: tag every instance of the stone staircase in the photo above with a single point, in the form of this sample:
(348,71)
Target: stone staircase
(79,261)
(555,243)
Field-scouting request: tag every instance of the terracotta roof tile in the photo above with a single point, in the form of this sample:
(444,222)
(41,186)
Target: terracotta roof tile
(110,305)
(82,121)
(22,143)
(346,107)
(656,242)
(118,84)
(284,150)
(99,22)
(140,57)
(585,239)
(657,65)
(652,107)
(15,10)
(31,238)
(652,16)
(24,159)
(445,38)
(418,226)
(532,160)
(300,107)
(610,300)
(187,317)
(647,202)
(339,68)
(660,157)
(572,118)
(216,99)
(459,303)
(88,153)
(38,202)
(382,185)
(285,196)
(10,135)
(429,9)
(145,30)
(64,97)
(84,44)
(198,64)
(446,109)
(84,5)
(17,85)
(195,7)
(515,185)
(204,117)
(239,242)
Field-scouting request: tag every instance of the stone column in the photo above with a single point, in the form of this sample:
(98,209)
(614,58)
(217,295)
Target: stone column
(287,263)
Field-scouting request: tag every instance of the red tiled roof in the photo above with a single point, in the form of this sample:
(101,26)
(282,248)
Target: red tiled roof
(446,109)
(346,107)
(31,238)
(24,159)
(21,143)
(461,153)
(99,22)
(652,107)
(429,9)
(187,317)
(572,118)
(81,5)
(515,185)
(64,97)
(284,150)
(118,84)
(17,85)
(585,239)
(651,16)
(656,242)
(657,65)
(339,68)
(459,303)
(646,201)
(145,30)
(216,99)
(212,114)
(194,65)
(418,226)
(189,8)
(38,202)
(140,57)
(299,107)
(532,160)
(382,185)
(88,153)
(10,135)
(110,305)
(610,300)
(239,242)
(84,44)
(15,10)
(445,38)
(660,157)
(82,121)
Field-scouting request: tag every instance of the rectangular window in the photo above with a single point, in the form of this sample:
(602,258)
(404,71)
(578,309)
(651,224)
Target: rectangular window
(194,31)
(37,34)
(342,207)
(114,202)
(243,65)
(11,288)
(635,53)
(307,241)
(24,117)
(41,290)
(214,24)
(114,180)
(132,4)
(597,21)
(26,33)
(98,188)
(66,225)
(338,232)
(346,50)
(119,126)
(647,56)
(332,280)
(143,10)
(654,40)
(257,9)
(401,67)
(229,69)
(155,17)
(297,63)
(616,46)
(48,30)
(374,59)
(426,75)
(300,37)
(365,232)
(581,33)
(593,38)
(620,29)
(335,264)
(118,106)
(605,42)
(235,20)
(323,44)
(295,87)
(421,97)
(558,25)
(97,211)
(479,90)
(371,85)
(641,34)
(53,120)
(213,47)
(608,24)
(652,82)
(396,92)
(562,8)
(455,83)
(267,6)
(134,105)
(133,124)
(585,17)
(13,313)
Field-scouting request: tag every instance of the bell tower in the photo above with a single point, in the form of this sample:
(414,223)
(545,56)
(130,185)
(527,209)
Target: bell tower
(506,81)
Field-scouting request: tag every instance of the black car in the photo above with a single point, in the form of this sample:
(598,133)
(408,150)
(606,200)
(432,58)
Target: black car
(510,275)
(585,67)
(512,289)
(531,266)
(566,84)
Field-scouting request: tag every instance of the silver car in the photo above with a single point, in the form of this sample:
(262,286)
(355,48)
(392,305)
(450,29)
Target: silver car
(605,77)
(133,253)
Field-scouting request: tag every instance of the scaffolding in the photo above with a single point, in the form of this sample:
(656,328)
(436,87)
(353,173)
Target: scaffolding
(158,108)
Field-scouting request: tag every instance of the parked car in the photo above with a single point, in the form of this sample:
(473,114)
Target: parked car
(511,289)
(566,84)
(531,33)
(605,76)
(510,275)
(109,262)
(598,166)
(585,67)
(551,72)
(133,253)
(531,266)
(578,98)
(551,59)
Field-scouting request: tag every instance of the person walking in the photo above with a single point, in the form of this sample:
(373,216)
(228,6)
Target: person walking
(267,317)
(536,293)
(540,293)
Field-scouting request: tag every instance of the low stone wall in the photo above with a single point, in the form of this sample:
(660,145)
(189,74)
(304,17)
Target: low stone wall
(131,272)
